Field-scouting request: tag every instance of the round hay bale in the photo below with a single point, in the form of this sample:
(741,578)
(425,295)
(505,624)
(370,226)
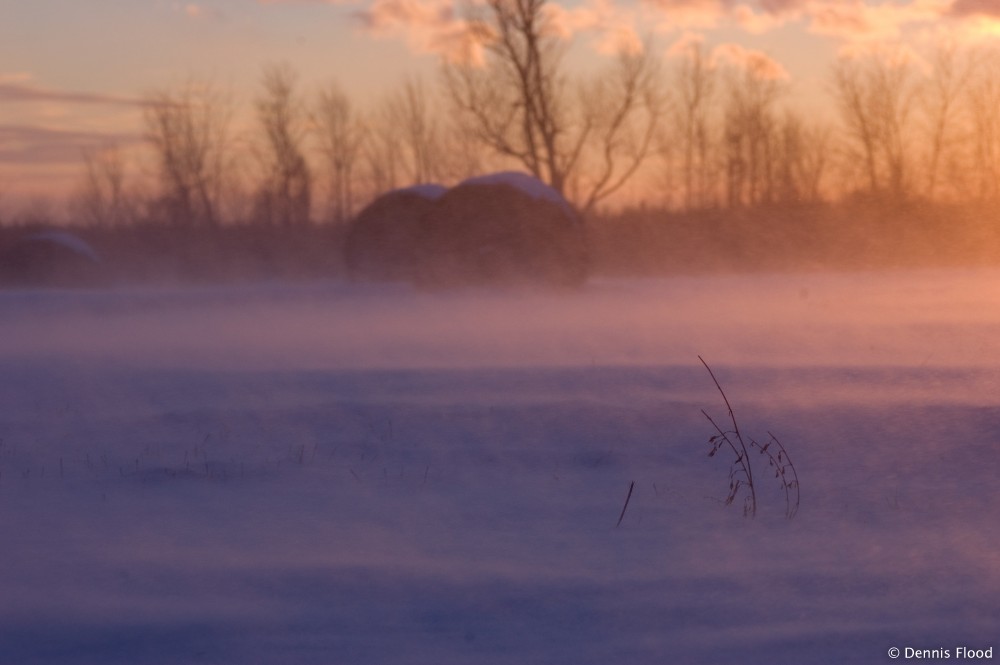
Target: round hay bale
(525,183)
(502,229)
(380,240)
(50,258)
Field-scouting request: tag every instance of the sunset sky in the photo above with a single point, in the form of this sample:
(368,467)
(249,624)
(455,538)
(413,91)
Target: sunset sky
(71,73)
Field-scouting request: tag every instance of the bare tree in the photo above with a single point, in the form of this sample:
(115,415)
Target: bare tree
(941,104)
(103,200)
(407,142)
(285,194)
(984,100)
(695,82)
(462,154)
(751,130)
(382,152)
(517,99)
(854,104)
(341,134)
(801,159)
(875,98)
(667,175)
(894,82)
(622,110)
(518,102)
(790,145)
(815,160)
(410,109)
(188,129)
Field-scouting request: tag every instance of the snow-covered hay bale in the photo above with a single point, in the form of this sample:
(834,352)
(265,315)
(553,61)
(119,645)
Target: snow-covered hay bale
(503,228)
(380,242)
(522,182)
(50,258)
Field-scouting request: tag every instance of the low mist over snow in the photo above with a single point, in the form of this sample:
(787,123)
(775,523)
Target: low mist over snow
(906,318)
(357,474)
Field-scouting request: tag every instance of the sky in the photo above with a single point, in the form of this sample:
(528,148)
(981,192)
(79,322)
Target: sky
(72,73)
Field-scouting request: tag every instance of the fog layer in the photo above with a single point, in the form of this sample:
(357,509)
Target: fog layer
(911,318)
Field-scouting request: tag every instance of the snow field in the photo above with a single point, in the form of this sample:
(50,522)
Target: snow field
(340,474)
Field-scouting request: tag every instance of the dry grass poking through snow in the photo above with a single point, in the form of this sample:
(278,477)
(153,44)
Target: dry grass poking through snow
(741,470)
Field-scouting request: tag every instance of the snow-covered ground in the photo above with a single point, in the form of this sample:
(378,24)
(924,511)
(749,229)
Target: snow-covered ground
(347,474)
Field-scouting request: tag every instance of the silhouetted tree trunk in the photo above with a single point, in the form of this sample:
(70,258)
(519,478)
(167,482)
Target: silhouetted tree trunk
(790,148)
(285,194)
(695,83)
(517,100)
(948,80)
(340,136)
(103,200)
(751,135)
(382,152)
(518,105)
(411,111)
(875,99)
(801,159)
(623,109)
(188,130)
(983,100)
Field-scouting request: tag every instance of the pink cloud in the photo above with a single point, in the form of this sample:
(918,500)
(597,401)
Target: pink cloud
(782,6)
(685,45)
(306,2)
(754,16)
(976,8)
(757,22)
(848,20)
(387,15)
(856,20)
(427,26)
(683,14)
(566,22)
(26,144)
(438,27)
(894,55)
(20,88)
(198,12)
(613,27)
(756,63)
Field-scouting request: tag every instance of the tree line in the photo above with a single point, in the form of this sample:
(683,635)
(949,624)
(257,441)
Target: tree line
(686,133)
